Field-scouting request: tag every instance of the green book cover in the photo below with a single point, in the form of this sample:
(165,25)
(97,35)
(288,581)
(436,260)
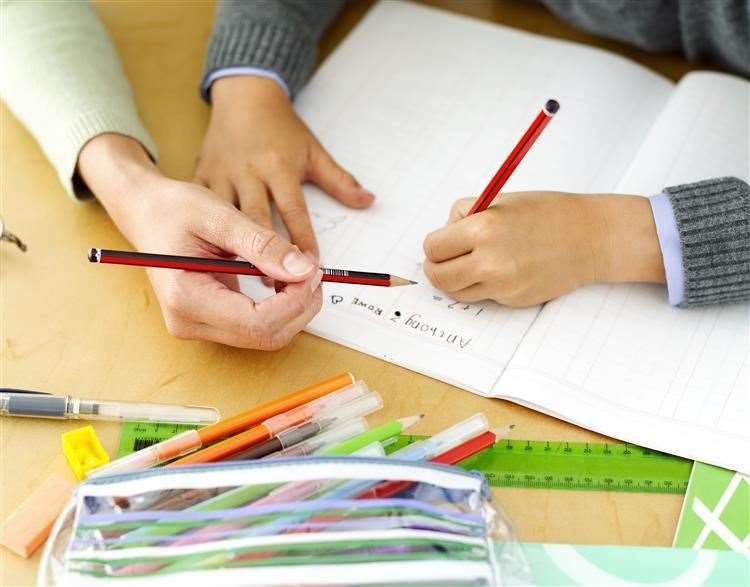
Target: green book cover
(716,511)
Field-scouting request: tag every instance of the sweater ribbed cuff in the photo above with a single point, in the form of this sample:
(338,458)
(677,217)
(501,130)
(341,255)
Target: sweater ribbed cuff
(713,219)
(84,128)
(279,48)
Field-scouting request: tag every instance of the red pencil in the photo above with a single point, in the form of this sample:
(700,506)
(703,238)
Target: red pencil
(516,156)
(234,267)
(449,457)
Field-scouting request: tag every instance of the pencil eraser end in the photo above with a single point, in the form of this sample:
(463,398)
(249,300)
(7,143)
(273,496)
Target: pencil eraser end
(552,106)
(28,527)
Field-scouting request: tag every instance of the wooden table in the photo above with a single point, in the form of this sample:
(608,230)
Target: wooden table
(72,327)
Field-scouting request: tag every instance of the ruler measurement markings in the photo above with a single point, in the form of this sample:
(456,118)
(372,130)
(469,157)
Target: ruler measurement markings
(532,464)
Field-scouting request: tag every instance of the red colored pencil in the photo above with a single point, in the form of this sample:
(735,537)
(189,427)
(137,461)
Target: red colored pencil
(516,156)
(235,267)
(449,457)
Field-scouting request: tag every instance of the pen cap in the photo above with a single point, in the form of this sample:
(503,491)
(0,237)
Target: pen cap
(371,450)
(305,412)
(180,444)
(328,438)
(363,406)
(116,410)
(445,440)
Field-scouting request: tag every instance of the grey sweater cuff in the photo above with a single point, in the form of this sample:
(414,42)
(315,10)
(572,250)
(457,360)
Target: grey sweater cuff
(713,219)
(271,46)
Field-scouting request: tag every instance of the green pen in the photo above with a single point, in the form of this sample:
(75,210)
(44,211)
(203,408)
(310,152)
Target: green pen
(379,434)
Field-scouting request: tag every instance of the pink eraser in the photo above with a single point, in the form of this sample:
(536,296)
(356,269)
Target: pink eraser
(28,527)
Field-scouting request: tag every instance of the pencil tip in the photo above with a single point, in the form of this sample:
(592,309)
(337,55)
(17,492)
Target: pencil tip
(410,421)
(413,282)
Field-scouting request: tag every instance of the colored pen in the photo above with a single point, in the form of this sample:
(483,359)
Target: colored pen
(452,456)
(288,492)
(192,440)
(516,156)
(324,440)
(235,267)
(18,402)
(229,499)
(272,426)
(379,434)
(329,416)
(423,450)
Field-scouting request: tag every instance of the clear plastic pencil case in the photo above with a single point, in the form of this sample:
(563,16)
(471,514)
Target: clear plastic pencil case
(310,521)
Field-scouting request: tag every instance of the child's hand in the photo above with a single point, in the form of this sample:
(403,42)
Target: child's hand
(530,247)
(257,149)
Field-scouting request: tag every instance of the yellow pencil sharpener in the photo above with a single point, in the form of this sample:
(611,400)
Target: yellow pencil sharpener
(83,450)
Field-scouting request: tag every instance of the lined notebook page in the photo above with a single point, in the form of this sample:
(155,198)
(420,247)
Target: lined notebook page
(618,359)
(423,106)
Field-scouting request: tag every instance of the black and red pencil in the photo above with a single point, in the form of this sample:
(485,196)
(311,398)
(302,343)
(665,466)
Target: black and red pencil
(235,267)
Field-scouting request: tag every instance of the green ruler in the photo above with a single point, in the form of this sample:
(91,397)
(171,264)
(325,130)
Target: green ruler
(539,464)
(532,464)
(137,435)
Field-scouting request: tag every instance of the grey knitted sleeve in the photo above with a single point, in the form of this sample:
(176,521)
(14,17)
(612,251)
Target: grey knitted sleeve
(713,219)
(275,35)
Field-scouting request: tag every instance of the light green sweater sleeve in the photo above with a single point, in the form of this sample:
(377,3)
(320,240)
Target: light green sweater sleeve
(61,77)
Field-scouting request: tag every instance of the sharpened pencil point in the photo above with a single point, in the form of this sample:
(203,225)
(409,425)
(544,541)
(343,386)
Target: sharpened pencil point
(502,431)
(410,421)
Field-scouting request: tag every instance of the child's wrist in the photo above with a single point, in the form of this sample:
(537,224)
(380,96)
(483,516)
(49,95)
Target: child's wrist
(626,240)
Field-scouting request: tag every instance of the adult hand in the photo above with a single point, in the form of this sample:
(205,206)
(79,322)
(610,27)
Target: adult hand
(161,215)
(530,247)
(257,149)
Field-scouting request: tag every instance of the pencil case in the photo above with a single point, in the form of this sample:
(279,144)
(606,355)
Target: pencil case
(309,521)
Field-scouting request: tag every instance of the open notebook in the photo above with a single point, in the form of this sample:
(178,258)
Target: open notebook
(422,106)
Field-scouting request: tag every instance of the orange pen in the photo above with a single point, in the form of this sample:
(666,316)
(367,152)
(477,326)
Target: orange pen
(272,426)
(192,440)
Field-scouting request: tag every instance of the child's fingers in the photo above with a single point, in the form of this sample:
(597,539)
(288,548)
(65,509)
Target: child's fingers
(447,243)
(453,275)
(337,181)
(460,209)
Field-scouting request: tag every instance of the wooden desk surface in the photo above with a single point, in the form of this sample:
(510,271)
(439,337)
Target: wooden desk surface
(71,327)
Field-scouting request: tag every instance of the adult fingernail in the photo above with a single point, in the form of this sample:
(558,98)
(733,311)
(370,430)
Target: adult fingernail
(313,257)
(315,282)
(296,263)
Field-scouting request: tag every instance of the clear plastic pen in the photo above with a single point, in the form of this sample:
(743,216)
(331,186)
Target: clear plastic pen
(445,440)
(330,437)
(326,418)
(187,442)
(66,407)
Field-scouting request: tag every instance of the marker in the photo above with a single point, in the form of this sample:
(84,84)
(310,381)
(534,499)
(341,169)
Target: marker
(516,156)
(327,418)
(379,434)
(331,437)
(268,428)
(35,404)
(192,440)
(235,267)
(450,457)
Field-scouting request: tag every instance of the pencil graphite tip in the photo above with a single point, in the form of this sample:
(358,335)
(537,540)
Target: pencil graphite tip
(502,431)
(397,281)
(410,421)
